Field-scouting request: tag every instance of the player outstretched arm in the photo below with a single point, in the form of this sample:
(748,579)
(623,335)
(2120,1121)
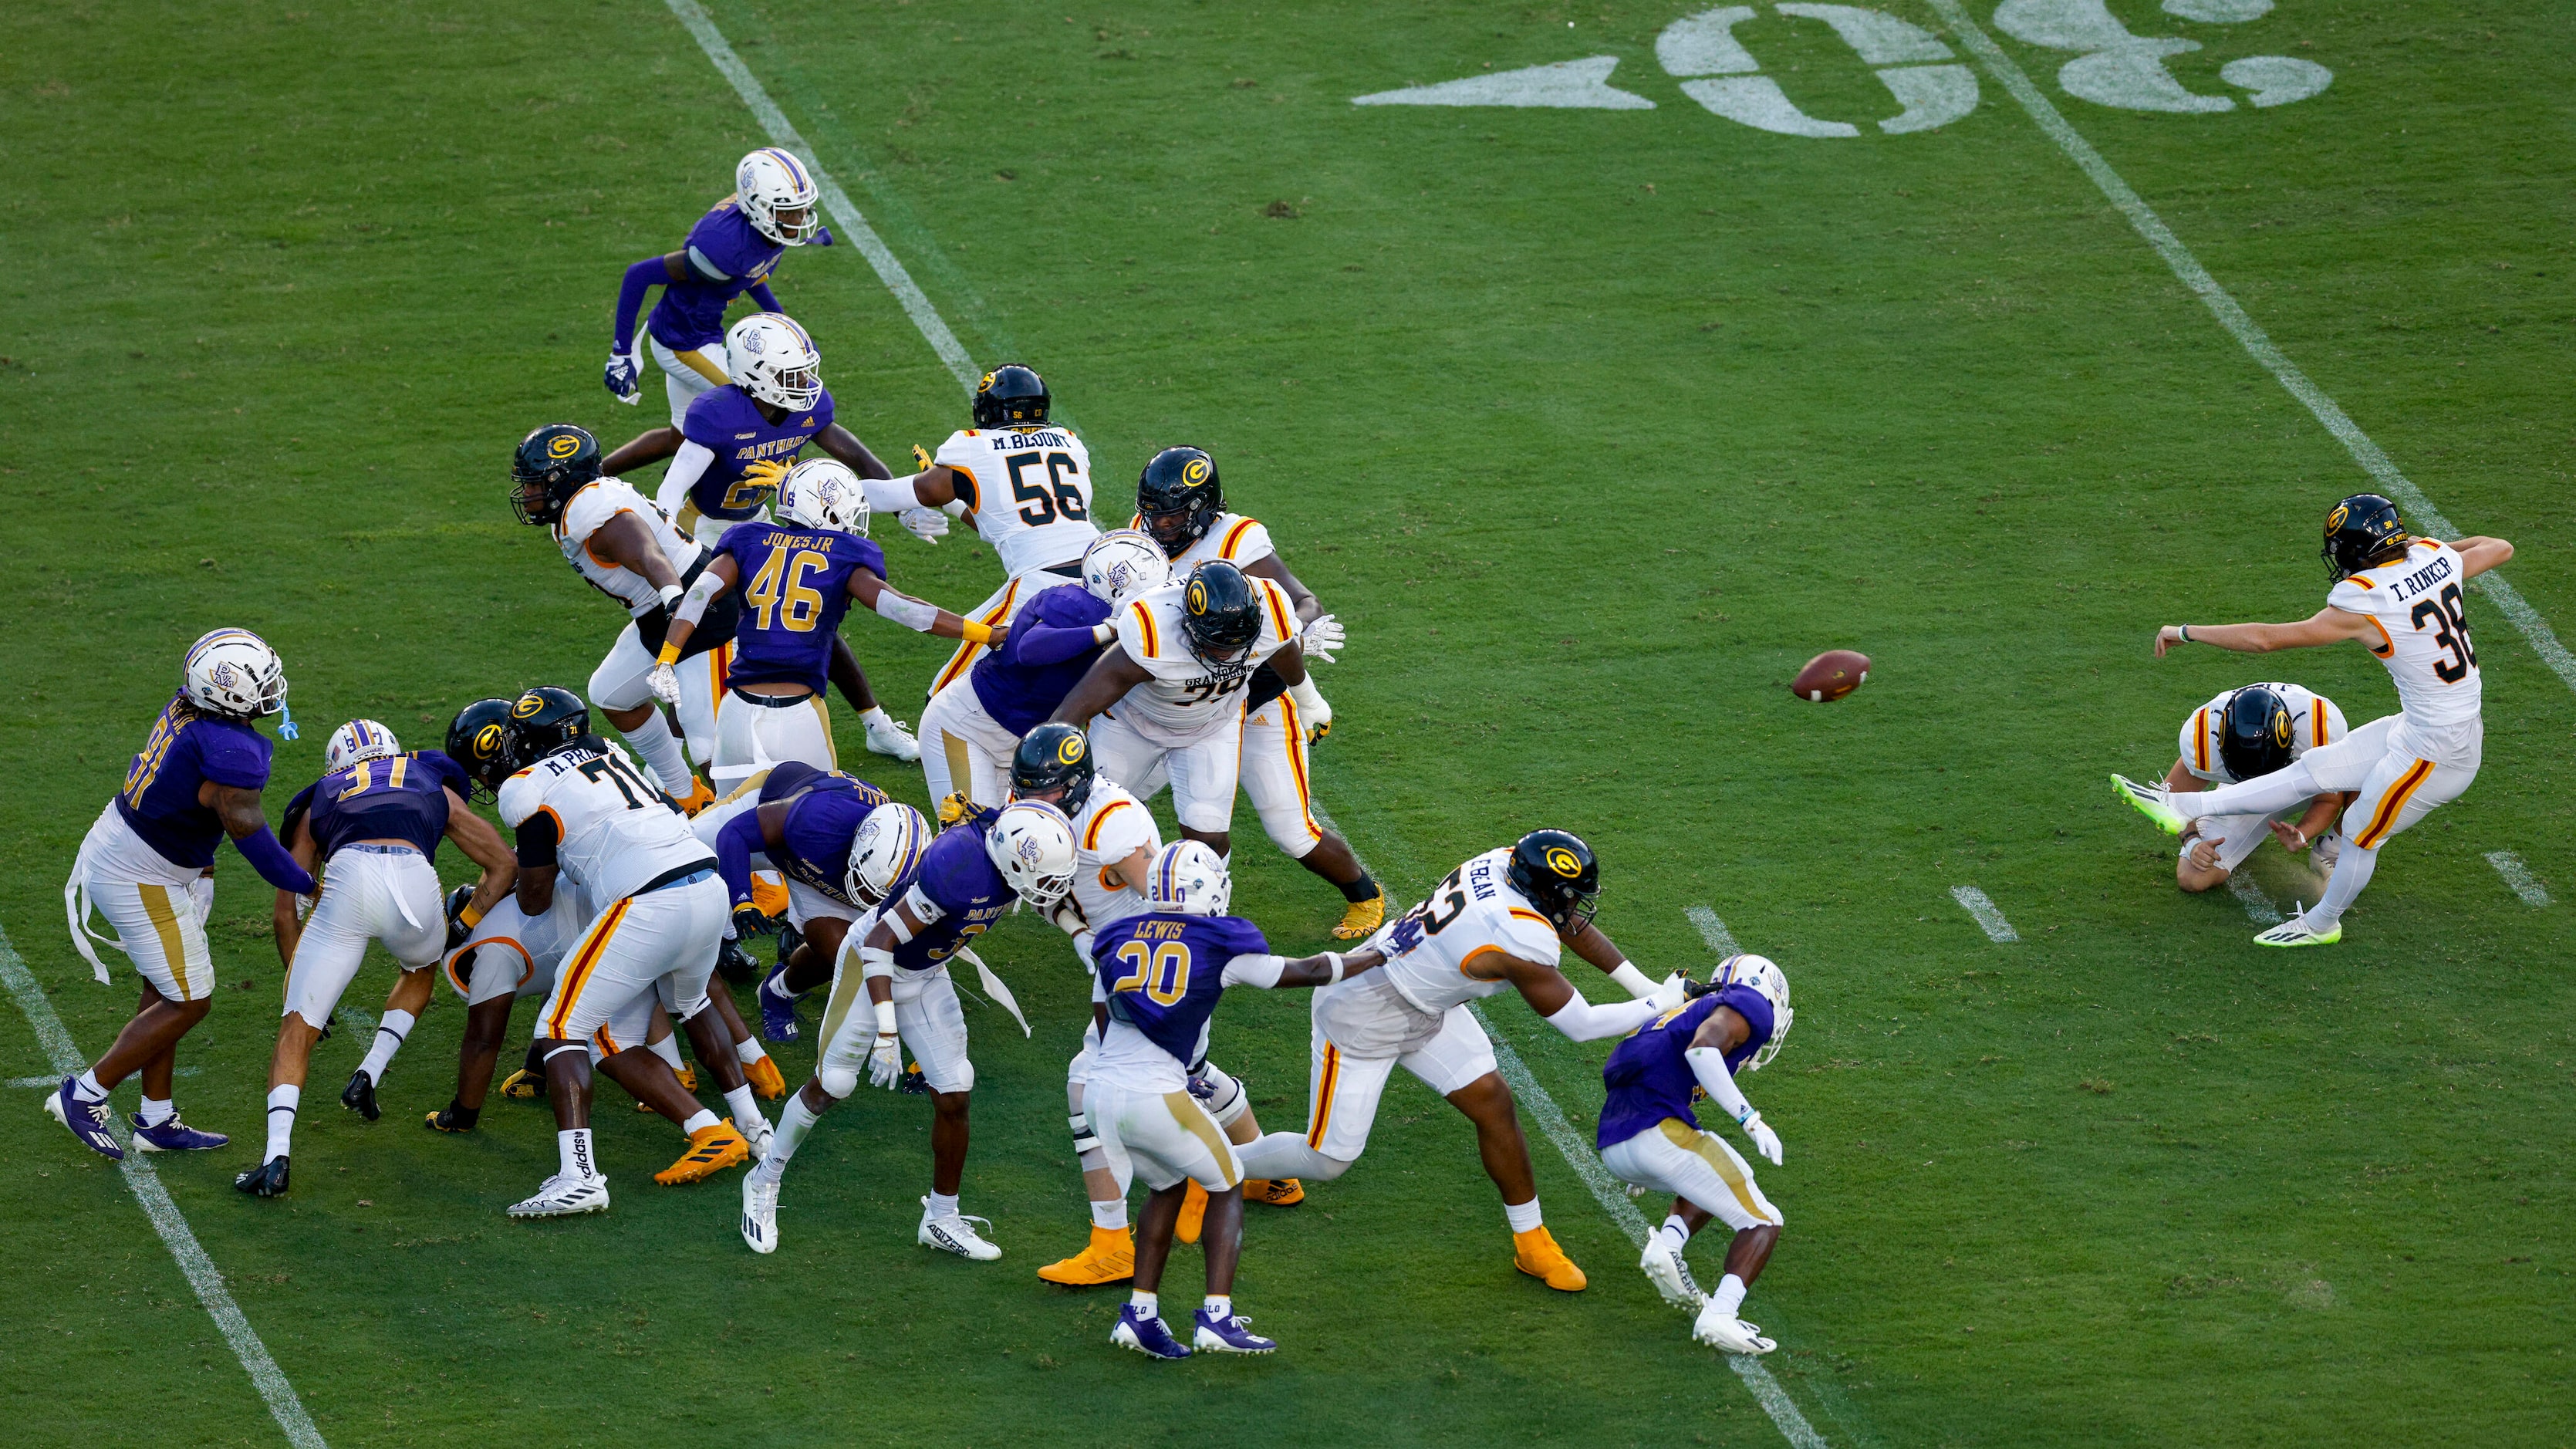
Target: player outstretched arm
(2479,554)
(1590,944)
(2328,625)
(1555,999)
(1723,1032)
(649,446)
(872,590)
(1321,969)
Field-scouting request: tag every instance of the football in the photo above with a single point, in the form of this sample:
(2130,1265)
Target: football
(1830,675)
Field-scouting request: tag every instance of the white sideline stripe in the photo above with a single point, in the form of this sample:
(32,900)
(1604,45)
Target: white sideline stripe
(2242,326)
(1974,902)
(1713,931)
(916,305)
(2258,906)
(1766,1390)
(56,1081)
(2519,876)
(199,1269)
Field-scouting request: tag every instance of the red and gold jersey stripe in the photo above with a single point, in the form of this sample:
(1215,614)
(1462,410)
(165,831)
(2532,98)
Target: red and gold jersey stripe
(1234,538)
(577,971)
(2384,819)
(1091,836)
(1277,600)
(1145,622)
(2200,740)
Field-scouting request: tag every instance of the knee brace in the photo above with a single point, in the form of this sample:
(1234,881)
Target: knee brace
(1225,1100)
(1085,1141)
(837,1082)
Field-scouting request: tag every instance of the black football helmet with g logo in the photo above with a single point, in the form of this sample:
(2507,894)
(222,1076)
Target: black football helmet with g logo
(474,742)
(1010,394)
(2363,530)
(1179,497)
(551,465)
(1556,871)
(2255,739)
(542,721)
(1221,613)
(1054,756)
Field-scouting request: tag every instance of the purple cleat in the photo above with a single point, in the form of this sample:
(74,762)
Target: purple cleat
(1146,1335)
(87,1121)
(777,1009)
(1230,1334)
(174,1136)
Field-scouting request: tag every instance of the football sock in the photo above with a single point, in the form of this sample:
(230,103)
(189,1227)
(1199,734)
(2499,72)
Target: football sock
(1219,1306)
(1110,1216)
(573,1146)
(668,1049)
(2351,872)
(876,716)
(156,1113)
(746,1110)
(699,1121)
(2262,795)
(943,1204)
(1523,1216)
(1679,1229)
(281,1119)
(1729,1295)
(748,1050)
(1145,1304)
(86,1088)
(1363,889)
(653,740)
(793,1124)
(389,1039)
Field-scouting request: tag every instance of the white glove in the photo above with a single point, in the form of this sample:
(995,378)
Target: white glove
(664,681)
(1672,993)
(885,1062)
(1765,1141)
(926,524)
(1321,636)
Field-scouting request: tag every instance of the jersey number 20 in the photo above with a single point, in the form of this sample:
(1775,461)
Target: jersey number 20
(1164,975)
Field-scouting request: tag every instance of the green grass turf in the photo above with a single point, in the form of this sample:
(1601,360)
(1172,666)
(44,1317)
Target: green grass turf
(1592,425)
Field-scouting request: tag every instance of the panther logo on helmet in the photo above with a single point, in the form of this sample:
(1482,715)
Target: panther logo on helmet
(751,343)
(1027,850)
(223,675)
(1563,862)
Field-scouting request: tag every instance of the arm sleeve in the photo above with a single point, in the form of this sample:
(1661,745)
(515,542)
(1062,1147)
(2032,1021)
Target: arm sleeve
(693,606)
(1262,972)
(736,844)
(1709,1065)
(910,612)
(687,467)
(1582,1021)
(272,862)
(640,278)
(1052,643)
(296,809)
(890,495)
(767,299)
(538,836)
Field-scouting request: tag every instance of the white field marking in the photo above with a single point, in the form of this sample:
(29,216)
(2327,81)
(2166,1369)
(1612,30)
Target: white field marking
(1587,1165)
(1974,902)
(2519,876)
(1567,85)
(916,305)
(199,1269)
(1713,931)
(2242,326)
(2258,906)
(57,1081)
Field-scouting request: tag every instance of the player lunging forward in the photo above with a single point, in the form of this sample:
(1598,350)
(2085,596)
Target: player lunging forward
(1159,975)
(148,866)
(1501,920)
(2241,735)
(1650,1137)
(2404,599)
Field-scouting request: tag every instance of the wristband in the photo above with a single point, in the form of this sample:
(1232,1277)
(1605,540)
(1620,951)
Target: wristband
(468,917)
(974,633)
(1335,957)
(1104,633)
(670,654)
(885,1019)
(2186,633)
(671,595)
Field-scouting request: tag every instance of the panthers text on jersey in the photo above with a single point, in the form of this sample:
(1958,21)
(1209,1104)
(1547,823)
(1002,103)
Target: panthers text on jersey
(1473,911)
(728,423)
(613,831)
(187,748)
(2314,721)
(398,797)
(1650,1079)
(2421,618)
(1161,974)
(1184,702)
(824,811)
(1028,490)
(588,511)
(795,590)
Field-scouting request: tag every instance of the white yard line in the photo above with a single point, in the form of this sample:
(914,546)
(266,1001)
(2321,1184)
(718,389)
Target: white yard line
(56,1081)
(2519,876)
(1974,902)
(2241,325)
(2258,906)
(199,1269)
(1713,931)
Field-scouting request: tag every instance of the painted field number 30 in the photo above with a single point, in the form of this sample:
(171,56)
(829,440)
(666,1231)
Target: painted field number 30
(2113,67)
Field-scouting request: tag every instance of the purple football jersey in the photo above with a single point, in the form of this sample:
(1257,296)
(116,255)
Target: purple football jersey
(401,797)
(186,749)
(795,589)
(727,257)
(1020,695)
(726,422)
(825,809)
(1648,1077)
(960,880)
(1163,973)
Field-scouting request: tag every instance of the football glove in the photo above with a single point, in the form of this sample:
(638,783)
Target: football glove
(749,921)
(885,1062)
(922,462)
(1321,636)
(926,524)
(622,380)
(664,681)
(953,807)
(766,472)
(1674,991)
(457,930)
(1765,1141)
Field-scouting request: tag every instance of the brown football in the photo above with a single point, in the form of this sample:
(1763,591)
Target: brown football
(1831,675)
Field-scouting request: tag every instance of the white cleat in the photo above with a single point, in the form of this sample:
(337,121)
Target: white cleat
(2295,932)
(1728,1332)
(2154,802)
(760,1211)
(887,736)
(952,1234)
(562,1197)
(1671,1276)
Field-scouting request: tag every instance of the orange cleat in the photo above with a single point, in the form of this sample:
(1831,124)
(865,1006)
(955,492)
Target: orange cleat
(1111,1258)
(711,1150)
(1537,1254)
(699,798)
(1193,1213)
(765,1081)
(769,892)
(1274,1191)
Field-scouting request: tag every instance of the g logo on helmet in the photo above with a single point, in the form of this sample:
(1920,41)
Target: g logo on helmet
(1195,471)
(1069,752)
(986,385)
(2335,519)
(1198,596)
(487,741)
(527,706)
(562,445)
(1562,861)
(2281,727)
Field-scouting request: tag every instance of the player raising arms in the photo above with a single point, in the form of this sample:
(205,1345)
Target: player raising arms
(802,574)
(2409,609)
(1649,1136)
(1159,975)
(1500,920)
(1180,501)
(374,819)
(731,250)
(2241,735)
(148,866)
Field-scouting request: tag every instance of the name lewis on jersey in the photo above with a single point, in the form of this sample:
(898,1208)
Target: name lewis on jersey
(2423,579)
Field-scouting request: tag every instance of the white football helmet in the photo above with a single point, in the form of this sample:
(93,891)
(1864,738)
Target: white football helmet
(1122,563)
(777,196)
(1189,879)
(885,851)
(824,493)
(359,739)
(233,672)
(773,360)
(1765,976)
(1031,844)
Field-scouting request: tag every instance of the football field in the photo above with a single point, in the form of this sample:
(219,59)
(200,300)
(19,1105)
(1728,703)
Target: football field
(1606,364)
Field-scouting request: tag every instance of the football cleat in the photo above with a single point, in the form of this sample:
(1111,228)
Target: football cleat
(1663,1267)
(1274,1191)
(736,965)
(915,1083)
(1230,1334)
(2295,932)
(1193,1213)
(449,1118)
(951,1234)
(524,1084)
(688,1076)
(711,1150)
(777,1009)
(2152,801)
(1362,918)
(1726,1331)
(1146,1335)
(560,1196)
(87,1121)
(760,1212)
(700,796)
(174,1135)
(1537,1254)
(360,1095)
(766,1083)
(266,1180)
(789,938)
(887,736)
(1110,1258)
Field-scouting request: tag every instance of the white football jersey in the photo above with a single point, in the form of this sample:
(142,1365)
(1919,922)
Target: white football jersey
(1234,538)
(2423,632)
(1183,703)
(2314,721)
(1031,494)
(1473,911)
(1113,825)
(617,832)
(588,511)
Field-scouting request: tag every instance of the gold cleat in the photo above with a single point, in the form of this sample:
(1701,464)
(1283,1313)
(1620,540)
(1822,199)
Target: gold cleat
(711,1150)
(765,1081)
(523,1084)
(1111,1258)
(1193,1214)
(770,894)
(1274,1191)
(1537,1254)
(1362,918)
(699,798)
